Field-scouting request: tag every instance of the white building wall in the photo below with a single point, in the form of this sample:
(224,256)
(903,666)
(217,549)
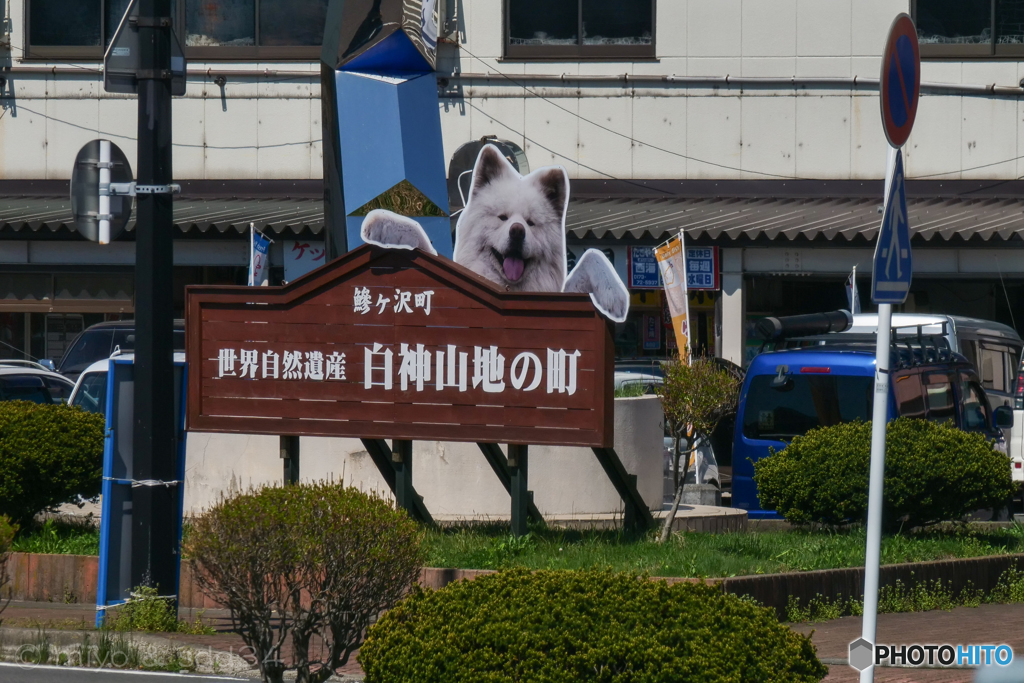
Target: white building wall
(258,127)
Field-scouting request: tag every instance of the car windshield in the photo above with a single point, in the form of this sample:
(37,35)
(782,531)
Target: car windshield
(781,411)
(25,388)
(91,346)
(92,393)
(641,368)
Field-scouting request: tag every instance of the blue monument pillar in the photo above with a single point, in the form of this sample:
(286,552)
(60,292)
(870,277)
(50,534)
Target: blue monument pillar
(381,124)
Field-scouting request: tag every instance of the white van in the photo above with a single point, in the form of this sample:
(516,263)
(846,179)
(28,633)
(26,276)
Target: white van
(993,348)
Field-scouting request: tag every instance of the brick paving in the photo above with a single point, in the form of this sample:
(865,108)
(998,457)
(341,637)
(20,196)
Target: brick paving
(995,624)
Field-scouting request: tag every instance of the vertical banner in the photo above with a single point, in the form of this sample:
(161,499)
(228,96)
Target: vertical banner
(259,246)
(652,332)
(673,273)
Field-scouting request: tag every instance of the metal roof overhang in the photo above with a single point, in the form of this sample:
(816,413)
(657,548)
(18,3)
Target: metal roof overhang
(819,219)
(191,214)
(713,210)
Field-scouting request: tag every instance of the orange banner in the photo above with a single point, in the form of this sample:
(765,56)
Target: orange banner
(673,274)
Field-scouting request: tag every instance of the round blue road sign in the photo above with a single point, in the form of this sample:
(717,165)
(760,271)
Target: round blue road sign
(900,82)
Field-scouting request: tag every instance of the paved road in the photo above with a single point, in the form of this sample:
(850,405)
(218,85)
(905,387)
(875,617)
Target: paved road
(11,673)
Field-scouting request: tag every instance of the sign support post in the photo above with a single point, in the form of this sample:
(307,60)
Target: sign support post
(879,422)
(518,463)
(401,456)
(890,283)
(154,505)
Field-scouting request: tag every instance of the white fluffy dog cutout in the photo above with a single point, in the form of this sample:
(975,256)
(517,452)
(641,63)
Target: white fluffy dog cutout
(512,232)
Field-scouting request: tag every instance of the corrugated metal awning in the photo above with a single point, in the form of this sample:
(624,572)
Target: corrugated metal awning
(590,217)
(774,218)
(276,215)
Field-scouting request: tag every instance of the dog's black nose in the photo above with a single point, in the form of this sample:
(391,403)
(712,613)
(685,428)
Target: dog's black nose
(517,233)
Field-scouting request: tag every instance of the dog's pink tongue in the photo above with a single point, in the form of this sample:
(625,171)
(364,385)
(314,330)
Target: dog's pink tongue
(513,268)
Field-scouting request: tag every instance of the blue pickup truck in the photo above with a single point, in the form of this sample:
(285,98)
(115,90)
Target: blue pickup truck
(786,393)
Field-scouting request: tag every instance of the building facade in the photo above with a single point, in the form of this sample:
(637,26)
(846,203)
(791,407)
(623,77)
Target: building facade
(752,126)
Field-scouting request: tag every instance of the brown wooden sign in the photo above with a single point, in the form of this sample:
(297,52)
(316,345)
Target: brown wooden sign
(388,343)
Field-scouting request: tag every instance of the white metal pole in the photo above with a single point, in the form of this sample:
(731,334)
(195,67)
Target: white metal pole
(879,420)
(104,209)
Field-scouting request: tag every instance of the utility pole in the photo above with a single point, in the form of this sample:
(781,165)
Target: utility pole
(154,505)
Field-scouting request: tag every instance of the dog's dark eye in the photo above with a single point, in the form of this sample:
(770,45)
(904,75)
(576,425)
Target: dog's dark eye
(503,217)
(529,222)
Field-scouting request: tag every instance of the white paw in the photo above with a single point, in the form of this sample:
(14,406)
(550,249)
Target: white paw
(383,228)
(595,275)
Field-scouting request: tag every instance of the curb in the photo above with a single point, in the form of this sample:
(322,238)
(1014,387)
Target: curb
(72,579)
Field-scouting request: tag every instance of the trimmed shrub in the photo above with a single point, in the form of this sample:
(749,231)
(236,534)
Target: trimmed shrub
(49,454)
(933,473)
(303,561)
(576,626)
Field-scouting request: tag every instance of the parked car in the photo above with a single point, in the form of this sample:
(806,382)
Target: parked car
(787,393)
(98,341)
(29,381)
(644,372)
(90,391)
(993,348)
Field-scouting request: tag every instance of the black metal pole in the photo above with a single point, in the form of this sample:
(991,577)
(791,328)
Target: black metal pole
(154,507)
(290,457)
(518,466)
(405,494)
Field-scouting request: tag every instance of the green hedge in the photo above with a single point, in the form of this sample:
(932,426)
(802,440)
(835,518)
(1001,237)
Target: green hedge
(49,454)
(576,626)
(933,473)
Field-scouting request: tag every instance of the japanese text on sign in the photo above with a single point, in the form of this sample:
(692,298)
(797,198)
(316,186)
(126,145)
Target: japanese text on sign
(445,367)
(643,269)
(403,301)
(701,268)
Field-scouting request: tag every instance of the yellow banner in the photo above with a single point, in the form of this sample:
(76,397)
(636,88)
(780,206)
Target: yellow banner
(673,274)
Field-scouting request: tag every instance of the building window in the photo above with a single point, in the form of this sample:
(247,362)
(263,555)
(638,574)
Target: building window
(574,29)
(964,29)
(208,29)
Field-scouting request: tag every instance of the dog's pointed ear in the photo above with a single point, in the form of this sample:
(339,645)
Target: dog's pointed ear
(490,166)
(555,186)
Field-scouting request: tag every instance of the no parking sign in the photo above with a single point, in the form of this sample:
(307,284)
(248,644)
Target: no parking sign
(900,81)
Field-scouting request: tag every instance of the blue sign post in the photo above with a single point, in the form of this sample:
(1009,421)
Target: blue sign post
(893,265)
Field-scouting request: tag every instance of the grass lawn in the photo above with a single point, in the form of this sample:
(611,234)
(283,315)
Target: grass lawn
(692,554)
(708,555)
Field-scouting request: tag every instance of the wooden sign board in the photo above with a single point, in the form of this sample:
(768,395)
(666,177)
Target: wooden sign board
(390,343)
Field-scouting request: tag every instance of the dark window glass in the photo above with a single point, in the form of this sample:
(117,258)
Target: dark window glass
(287,22)
(1009,22)
(90,347)
(64,22)
(543,22)
(125,339)
(115,12)
(24,388)
(954,22)
(617,22)
(223,22)
(60,390)
(803,403)
(92,393)
(975,408)
(909,396)
(939,397)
